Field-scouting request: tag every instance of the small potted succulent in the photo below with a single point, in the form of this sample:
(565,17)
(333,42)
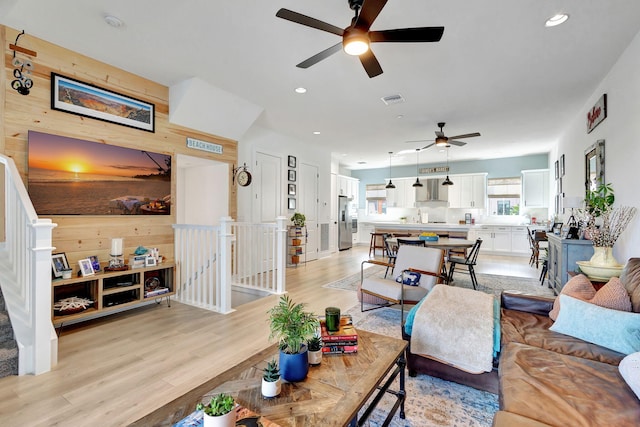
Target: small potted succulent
(219,412)
(315,350)
(271,382)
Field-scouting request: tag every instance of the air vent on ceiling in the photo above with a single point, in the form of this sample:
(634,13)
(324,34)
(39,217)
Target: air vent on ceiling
(392,99)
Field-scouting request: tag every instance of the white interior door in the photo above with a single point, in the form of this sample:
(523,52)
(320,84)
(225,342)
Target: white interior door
(308,205)
(268,188)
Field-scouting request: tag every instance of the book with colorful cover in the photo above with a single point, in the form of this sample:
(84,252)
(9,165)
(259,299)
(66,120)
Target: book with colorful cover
(346,332)
(244,417)
(340,349)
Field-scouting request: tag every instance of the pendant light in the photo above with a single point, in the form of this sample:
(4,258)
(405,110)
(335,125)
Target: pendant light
(417,183)
(447,181)
(390,184)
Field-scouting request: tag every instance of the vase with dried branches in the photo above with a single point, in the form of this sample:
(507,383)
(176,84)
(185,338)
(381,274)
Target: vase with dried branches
(603,223)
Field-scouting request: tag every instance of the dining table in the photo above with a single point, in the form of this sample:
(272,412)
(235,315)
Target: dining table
(444,243)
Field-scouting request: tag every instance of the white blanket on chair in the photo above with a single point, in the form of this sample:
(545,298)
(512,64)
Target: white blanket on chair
(455,326)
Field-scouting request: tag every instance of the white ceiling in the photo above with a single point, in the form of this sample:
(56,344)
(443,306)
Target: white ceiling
(497,69)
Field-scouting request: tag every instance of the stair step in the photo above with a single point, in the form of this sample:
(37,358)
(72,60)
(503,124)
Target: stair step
(6,331)
(8,358)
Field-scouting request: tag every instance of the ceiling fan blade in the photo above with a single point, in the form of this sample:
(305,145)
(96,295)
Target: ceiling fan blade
(466,135)
(370,64)
(440,134)
(369,12)
(407,35)
(320,56)
(458,143)
(308,21)
(427,146)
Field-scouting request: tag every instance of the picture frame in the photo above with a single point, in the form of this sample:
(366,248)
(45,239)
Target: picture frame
(292,189)
(562,165)
(86,268)
(557,169)
(292,175)
(59,263)
(95,263)
(150,261)
(84,99)
(292,203)
(291,161)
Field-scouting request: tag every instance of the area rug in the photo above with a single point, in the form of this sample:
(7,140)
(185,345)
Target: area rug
(489,283)
(432,402)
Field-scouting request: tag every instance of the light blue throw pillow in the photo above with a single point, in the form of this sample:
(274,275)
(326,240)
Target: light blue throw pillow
(613,329)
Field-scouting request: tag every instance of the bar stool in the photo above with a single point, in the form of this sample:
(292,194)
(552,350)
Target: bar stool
(377,242)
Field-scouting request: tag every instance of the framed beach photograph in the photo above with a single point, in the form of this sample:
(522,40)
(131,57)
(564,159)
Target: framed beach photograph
(292,189)
(86,268)
(59,263)
(292,162)
(292,203)
(85,99)
(292,175)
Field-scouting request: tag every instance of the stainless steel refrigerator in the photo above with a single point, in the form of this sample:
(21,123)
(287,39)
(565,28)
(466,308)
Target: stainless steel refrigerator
(344,224)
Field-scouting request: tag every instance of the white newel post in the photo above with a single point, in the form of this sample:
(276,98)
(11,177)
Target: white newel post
(226,275)
(45,341)
(281,249)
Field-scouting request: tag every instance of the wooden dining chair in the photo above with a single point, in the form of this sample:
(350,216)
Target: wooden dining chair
(412,242)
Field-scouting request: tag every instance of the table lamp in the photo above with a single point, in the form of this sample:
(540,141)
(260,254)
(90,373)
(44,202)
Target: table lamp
(572,202)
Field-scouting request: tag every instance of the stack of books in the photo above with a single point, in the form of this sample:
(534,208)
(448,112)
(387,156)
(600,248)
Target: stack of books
(155,292)
(344,340)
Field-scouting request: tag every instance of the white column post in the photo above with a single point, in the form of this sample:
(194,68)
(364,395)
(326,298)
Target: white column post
(281,254)
(226,276)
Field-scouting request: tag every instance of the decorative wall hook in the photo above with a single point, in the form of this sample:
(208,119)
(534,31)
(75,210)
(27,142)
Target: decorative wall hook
(23,68)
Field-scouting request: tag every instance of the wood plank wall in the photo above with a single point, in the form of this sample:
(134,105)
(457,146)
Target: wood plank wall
(81,236)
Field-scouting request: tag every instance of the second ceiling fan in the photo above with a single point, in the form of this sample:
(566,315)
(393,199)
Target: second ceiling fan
(357,36)
(447,141)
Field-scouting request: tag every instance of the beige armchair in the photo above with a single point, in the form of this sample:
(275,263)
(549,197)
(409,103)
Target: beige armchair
(383,292)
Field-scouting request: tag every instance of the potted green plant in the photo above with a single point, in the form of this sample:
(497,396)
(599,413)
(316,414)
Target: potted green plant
(219,412)
(271,383)
(291,326)
(298,219)
(315,350)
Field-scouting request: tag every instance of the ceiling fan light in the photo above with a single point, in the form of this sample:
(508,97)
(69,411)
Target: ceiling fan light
(442,142)
(356,47)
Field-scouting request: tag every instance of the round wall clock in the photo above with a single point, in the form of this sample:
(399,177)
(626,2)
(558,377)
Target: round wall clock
(244,178)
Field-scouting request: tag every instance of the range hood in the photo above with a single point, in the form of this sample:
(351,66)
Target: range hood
(432,192)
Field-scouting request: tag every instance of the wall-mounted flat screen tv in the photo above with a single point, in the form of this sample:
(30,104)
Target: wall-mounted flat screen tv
(69,176)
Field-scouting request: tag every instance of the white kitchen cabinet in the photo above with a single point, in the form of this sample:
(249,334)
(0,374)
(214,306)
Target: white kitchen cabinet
(348,186)
(520,240)
(535,188)
(468,191)
(497,238)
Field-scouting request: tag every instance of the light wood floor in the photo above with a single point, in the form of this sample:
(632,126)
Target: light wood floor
(114,370)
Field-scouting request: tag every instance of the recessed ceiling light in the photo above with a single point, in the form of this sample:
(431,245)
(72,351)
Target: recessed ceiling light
(399,116)
(362,162)
(113,21)
(316,133)
(301,90)
(556,20)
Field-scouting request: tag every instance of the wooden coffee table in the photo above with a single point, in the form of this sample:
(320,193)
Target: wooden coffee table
(332,394)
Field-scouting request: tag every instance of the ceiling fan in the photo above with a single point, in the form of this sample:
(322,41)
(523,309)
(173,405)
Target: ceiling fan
(357,36)
(447,141)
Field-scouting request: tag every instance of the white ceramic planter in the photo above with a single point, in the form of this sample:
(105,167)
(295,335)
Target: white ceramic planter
(315,357)
(271,388)
(226,420)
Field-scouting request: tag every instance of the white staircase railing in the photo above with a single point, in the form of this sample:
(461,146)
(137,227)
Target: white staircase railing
(25,275)
(211,260)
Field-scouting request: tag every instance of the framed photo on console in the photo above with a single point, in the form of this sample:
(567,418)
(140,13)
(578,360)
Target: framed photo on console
(59,263)
(86,268)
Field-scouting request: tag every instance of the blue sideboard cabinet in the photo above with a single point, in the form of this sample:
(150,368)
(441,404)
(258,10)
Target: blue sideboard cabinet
(562,257)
